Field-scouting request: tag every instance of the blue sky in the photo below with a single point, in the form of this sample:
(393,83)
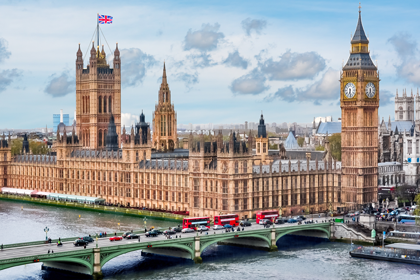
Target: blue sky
(226,60)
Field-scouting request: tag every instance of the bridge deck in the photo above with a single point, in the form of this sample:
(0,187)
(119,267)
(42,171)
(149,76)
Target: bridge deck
(25,251)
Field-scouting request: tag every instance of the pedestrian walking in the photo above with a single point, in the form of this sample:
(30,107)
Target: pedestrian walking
(2,247)
(84,246)
(115,234)
(59,239)
(139,238)
(52,251)
(48,251)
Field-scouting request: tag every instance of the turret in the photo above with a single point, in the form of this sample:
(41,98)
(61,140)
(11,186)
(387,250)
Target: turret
(117,61)
(79,61)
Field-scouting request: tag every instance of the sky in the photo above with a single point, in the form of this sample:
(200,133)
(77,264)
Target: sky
(226,61)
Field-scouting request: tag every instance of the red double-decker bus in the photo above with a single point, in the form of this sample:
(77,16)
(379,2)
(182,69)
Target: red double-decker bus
(231,219)
(271,215)
(195,222)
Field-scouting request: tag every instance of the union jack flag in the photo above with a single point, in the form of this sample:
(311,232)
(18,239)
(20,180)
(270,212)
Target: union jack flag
(104,19)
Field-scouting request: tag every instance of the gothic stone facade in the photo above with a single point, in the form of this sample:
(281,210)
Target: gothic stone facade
(98,94)
(359,101)
(216,178)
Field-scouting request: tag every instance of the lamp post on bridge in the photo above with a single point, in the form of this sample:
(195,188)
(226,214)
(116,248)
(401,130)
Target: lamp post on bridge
(46,230)
(145,222)
(97,241)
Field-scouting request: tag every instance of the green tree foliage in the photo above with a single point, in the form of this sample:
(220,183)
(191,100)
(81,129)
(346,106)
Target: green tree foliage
(274,147)
(38,148)
(16,146)
(335,144)
(319,148)
(417,211)
(300,141)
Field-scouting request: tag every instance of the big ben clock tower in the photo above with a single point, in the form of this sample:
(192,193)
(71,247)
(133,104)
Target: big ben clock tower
(359,100)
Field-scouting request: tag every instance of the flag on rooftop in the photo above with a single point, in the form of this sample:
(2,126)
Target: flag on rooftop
(103,19)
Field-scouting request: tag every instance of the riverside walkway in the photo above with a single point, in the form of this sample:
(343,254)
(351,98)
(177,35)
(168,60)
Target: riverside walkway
(188,245)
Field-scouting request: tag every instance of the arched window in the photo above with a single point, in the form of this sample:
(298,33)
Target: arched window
(100,104)
(100,138)
(105,104)
(105,133)
(109,105)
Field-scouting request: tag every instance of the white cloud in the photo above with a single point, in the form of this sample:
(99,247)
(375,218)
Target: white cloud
(255,25)
(327,88)
(294,66)
(60,85)
(205,39)
(128,120)
(252,83)
(234,59)
(134,66)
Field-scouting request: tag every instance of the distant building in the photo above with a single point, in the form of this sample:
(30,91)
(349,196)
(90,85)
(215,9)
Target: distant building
(56,120)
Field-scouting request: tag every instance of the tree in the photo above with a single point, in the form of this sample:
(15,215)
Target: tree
(417,211)
(335,146)
(319,148)
(16,146)
(38,148)
(300,141)
(274,147)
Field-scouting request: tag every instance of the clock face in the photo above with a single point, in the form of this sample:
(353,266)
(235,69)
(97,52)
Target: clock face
(370,90)
(350,90)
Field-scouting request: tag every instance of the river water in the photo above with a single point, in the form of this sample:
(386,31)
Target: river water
(297,258)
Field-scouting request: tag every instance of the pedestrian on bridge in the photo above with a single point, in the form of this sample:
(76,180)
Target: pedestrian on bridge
(48,251)
(52,251)
(2,247)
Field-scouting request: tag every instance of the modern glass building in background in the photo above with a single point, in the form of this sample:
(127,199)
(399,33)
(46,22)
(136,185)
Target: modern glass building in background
(56,120)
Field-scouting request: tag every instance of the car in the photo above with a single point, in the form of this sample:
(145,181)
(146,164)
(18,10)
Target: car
(158,231)
(302,217)
(245,223)
(116,238)
(153,233)
(279,221)
(202,228)
(80,242)
(177,229)
(87,238)
(291,221)
(186,230)
(267,222)
(169,232)
(132,236)
(262,221)
(125,234)
(227,226)
(299,219)
(216,227)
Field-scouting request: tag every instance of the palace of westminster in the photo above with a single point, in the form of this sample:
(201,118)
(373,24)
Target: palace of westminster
(143,169)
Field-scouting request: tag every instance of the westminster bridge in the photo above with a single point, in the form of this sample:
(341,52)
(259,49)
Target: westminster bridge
(188,246)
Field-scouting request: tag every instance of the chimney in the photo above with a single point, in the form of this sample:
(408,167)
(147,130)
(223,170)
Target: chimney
(61,115)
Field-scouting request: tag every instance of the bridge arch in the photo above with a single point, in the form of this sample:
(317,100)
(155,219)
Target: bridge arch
(86,262)
(297,229)
(221,237)
(105,257)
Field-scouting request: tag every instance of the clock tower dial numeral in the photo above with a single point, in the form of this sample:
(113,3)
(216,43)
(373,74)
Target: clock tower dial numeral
(350,90)
(370,90)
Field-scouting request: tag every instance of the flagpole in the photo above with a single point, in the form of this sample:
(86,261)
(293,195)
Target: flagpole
(97,28)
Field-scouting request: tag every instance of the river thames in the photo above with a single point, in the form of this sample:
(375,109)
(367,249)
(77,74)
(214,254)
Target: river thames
(297,258)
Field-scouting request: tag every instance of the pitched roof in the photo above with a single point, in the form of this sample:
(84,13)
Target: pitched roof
(329,127)
(291,142)
(359,35)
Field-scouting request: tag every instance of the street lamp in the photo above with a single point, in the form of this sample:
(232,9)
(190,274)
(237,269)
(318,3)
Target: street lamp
(119,228)
(46,230)
(96,240)
(145,222)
